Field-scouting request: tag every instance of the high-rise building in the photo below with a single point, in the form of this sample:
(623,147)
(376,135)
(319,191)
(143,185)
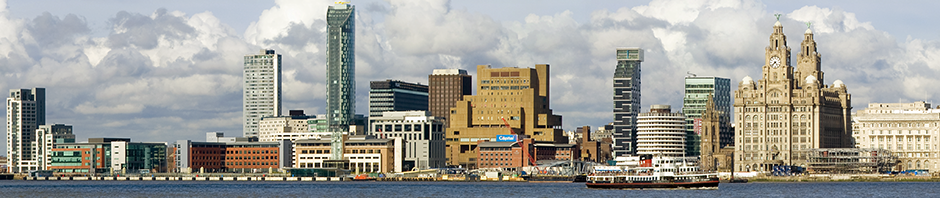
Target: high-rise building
(26,110)
(394,95)
(509,96)
(660,132)
(262,90)
(445,88)
(341,66)
(908,130)
(697,90)
(789,111)
(626,100)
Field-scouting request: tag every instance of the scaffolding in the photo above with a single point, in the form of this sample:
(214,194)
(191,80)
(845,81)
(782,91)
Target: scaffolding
(850,161)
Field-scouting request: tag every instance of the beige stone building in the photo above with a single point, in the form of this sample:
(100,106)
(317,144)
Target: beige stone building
(790,109)
(517,96)
(909,130)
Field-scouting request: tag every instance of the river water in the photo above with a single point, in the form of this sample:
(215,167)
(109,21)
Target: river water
(19,188)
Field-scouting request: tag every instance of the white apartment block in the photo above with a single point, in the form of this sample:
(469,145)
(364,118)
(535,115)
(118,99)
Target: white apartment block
(47,136)
(423,136)
(262,90)
(26,110)
(909,130)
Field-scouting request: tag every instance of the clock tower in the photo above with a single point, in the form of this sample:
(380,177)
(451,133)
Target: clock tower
(777,69)
(788,112)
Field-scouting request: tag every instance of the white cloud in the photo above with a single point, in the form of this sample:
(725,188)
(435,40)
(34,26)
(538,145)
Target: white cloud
(169,75)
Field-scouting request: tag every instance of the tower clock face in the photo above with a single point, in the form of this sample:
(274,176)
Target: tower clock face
(775,62)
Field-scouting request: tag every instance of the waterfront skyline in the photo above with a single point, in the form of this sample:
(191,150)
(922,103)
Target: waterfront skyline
(165,74)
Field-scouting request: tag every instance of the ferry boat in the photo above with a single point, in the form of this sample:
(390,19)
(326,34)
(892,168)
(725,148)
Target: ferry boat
(653,173)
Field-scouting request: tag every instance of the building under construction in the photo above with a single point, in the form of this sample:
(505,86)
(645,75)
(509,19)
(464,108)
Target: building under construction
(850,161)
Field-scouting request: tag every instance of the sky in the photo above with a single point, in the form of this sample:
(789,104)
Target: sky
(160,71)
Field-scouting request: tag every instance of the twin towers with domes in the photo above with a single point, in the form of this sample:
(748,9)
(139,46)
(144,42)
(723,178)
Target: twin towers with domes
(788,111)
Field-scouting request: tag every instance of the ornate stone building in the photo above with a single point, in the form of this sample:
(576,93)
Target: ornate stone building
(909,130)
(789,110)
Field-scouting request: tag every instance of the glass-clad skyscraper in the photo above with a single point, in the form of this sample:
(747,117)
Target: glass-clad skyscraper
(262,90)
(340,66)
(626,100)
(697,90)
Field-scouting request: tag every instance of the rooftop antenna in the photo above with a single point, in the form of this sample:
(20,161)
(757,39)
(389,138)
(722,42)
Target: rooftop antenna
(690,73)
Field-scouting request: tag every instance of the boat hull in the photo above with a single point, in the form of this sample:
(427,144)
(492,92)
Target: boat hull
(655,185)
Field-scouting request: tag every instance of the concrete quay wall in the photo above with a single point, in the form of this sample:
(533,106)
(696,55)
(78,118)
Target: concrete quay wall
(298,179)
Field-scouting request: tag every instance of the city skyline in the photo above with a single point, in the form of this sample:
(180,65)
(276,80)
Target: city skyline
(165,74)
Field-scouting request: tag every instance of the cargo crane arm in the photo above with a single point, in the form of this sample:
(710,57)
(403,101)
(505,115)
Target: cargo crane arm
(525,151)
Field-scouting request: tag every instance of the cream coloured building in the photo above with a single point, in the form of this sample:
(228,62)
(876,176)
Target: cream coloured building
(660,132)
(789,109)
(909,130)
(273,129)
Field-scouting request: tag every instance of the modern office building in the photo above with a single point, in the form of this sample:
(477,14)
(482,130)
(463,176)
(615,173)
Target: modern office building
(909,130)
(361,153)
(26,110)
(697,90)
(509,101)
(394,95)
(292,127)
(445,88)
(262,90)
(779,117)
(47,137)
(423,137)
(220,154)
(109,155)
(341,66)
(626,100)
(660,132)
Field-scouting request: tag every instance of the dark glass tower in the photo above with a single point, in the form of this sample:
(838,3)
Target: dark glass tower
(340,66)
(626,100)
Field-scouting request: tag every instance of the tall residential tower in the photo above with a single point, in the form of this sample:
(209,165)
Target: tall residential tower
(262,90)
(26,110)
(340,66)
(626,100)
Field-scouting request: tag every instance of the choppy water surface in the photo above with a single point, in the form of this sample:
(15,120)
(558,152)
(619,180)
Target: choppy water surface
(444,189)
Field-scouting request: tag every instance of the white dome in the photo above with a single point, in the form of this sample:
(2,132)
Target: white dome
(777,24)
(838,83)
(809,31)
(810,79)
(747,80)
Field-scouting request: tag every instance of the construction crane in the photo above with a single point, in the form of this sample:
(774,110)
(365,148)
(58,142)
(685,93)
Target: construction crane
(525,151)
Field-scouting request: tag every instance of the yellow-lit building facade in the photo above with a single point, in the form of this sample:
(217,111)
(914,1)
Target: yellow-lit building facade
(515,96)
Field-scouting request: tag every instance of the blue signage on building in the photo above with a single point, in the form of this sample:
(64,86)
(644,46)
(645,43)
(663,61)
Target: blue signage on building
(505,138)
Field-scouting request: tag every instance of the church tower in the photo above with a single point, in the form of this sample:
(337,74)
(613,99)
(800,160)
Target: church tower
(789,110)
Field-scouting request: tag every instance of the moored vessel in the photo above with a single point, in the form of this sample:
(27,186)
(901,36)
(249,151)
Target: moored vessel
(653,173)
